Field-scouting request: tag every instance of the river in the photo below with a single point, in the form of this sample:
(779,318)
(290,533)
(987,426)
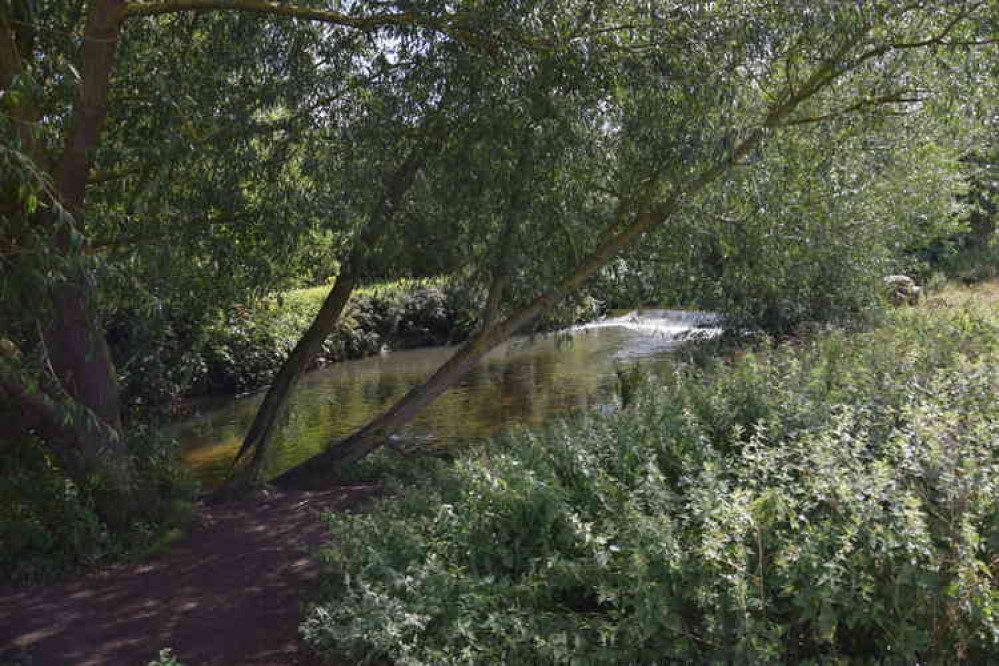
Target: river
(528,381)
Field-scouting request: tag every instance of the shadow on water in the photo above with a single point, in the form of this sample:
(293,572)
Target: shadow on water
(526,381)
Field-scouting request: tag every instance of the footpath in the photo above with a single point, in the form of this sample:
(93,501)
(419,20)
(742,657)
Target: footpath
(228,593)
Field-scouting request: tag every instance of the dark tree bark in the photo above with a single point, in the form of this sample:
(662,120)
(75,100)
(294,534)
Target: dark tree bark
(261,434)
(73,338)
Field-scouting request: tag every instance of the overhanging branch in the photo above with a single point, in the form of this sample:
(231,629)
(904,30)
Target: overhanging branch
(135,9)
(883,100)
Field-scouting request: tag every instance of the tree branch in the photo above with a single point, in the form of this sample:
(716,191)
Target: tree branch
(940,38)
(893,98)
(135,9)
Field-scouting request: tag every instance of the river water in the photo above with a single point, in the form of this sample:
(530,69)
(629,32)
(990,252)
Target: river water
(526,381)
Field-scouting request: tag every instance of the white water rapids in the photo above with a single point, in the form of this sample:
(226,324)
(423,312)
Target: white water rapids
(678,325)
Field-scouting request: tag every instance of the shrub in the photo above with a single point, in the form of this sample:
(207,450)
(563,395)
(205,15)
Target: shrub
(48,525)
(829,502)
(246,349)
(162,357)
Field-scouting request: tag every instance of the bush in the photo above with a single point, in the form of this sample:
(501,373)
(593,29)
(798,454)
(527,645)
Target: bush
(829,502)
(245,351)
(161,358)
(48,525)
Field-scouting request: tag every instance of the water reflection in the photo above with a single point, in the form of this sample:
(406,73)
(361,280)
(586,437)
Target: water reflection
(526,381)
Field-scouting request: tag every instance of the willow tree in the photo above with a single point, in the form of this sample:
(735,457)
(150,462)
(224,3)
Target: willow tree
(62,80)
(806,236)
(497,139)
(698,93)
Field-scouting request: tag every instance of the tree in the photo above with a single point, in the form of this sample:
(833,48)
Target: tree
(808,235)
(487,141)
(56,105)
(759,71)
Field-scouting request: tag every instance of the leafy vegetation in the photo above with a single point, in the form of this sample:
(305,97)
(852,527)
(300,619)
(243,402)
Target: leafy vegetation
(810,235)
(49,526)
(242,349)
(829,500)
(164,161)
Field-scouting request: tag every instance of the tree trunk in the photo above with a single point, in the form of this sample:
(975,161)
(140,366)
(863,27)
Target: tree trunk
(73,337)
(261,434)
(260,437)
(375,434)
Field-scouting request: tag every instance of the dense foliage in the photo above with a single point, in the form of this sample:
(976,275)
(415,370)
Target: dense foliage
(241,349)
(824,501)
(49,526)
(174,159)
(807,230)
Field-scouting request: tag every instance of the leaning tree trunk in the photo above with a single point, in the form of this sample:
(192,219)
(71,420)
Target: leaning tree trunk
(375,434)
(261,434)
(260,437)
(633,226)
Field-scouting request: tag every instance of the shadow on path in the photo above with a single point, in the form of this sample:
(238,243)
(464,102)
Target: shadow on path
(228,593)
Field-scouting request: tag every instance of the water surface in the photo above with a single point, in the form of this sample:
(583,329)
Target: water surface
(526,381)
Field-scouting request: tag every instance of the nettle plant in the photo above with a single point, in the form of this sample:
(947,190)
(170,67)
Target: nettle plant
(825,503)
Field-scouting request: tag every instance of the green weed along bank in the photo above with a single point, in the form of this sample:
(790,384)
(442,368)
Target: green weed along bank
(833,502)
(244,347)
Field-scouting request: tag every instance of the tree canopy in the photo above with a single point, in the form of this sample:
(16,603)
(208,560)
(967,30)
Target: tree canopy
(195,152)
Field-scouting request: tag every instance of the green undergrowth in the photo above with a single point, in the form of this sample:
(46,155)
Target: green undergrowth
(823,501)
(243,348)
(49,527)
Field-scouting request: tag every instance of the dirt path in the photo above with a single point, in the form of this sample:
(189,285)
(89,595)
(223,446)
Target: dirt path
(228,593)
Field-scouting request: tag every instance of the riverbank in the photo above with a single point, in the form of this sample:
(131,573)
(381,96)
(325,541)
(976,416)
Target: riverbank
(829,499)
(242,350)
